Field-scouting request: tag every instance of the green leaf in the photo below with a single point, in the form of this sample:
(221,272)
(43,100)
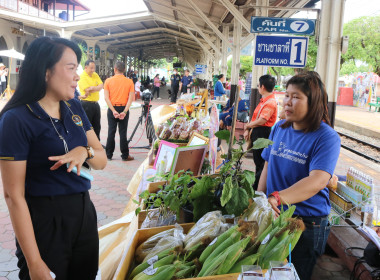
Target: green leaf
(145,194)
(261,143)
(247,187)
(174,205)
(249,176)
(238,202)
(227,191)
(202,206)
(202,187)
(157,203)
(223,135)
(135,201)
(137,211)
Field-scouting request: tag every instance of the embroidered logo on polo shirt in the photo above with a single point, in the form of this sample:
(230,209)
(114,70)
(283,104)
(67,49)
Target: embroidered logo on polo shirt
(77,120)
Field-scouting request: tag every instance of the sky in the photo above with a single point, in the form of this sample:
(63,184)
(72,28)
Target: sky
(353,8)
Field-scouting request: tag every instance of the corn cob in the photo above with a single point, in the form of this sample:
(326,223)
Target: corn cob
(146,264)
(281,250)
(164,261)
(185,273)
(275,239)
(219,240)
(223,263)
(144,276)
(235,237)
(166,274)
(250,260)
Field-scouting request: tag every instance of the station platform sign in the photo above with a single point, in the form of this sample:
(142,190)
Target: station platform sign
(282,25)
(281,51)
(200,68)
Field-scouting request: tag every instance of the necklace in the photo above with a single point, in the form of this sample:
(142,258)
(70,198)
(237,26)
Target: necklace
(55,128)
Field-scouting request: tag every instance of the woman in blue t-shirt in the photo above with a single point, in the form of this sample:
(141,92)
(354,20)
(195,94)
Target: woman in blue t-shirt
(218,88)
(300,163)
(44,136)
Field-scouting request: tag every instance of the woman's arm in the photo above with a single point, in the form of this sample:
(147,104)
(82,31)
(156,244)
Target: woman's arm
(305,188)
(262,186)
(13,176)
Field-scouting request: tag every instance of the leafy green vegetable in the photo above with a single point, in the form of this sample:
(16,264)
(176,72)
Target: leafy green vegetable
(227,191)
(238,203)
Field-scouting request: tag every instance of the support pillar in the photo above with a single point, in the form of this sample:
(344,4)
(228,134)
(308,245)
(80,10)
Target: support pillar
(329,49)
(103,63)
(257,71)
(217,56)
(235,70)
(226,31)
(91,49)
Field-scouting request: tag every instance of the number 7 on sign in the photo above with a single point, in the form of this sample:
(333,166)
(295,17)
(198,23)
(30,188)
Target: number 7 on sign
(300,24)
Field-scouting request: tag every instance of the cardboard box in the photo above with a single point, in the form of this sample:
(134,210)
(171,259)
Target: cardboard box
(142,235)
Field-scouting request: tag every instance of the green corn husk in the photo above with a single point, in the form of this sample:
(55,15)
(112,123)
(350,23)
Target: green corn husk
(162,262)
(165,274)
(235,237)
(185,272)
(250,260)
(138,269)
(220,239)
(223,263)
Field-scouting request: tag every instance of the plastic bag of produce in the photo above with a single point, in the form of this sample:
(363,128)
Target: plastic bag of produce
(155,218)
(167,242)
(260,211)
(208,227)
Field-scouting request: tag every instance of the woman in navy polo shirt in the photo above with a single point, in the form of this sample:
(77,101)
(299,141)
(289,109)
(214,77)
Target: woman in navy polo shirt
(300,163)
(44,134)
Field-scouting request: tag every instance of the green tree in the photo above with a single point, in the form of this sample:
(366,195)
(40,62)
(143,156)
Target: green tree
(159,63)
(84,54)
(364,41)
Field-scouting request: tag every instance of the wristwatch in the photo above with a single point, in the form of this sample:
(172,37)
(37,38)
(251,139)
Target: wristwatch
(276,195)
(90,152)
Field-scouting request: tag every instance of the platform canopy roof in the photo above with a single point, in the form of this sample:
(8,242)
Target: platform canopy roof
(182,28)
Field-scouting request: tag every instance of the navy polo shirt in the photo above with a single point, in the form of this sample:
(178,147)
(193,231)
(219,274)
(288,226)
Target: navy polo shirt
(26,133)
(186,81)
(175,80)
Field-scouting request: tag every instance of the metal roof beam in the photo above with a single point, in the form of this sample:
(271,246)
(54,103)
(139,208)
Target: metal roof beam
(235,12)
(199,42)
(210,24)
(207,39)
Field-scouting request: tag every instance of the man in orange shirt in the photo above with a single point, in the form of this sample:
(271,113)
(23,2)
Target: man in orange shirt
(263,118)
(119,93)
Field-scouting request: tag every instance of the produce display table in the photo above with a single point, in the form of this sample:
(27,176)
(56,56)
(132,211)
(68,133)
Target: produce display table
(345,236)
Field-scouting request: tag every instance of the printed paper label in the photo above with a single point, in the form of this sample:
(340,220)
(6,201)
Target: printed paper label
(150,270)
(152,260)
(214,241)
(266,239)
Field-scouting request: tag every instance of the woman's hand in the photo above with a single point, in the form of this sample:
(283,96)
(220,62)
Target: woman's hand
(273,202)
(39,271)
(76,157)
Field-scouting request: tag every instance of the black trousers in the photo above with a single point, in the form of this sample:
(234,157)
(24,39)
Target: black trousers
(92,110)
(66,232)
(156,89)
(112,126)
(259,132)
(173,97)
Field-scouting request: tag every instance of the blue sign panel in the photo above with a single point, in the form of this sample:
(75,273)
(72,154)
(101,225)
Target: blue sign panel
(281,51)
(200,68)
(282,25)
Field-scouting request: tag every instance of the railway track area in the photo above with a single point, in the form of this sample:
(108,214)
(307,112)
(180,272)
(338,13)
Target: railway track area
(367,147)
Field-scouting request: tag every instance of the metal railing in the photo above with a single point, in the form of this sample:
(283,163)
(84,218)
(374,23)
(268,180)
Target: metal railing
(26,9)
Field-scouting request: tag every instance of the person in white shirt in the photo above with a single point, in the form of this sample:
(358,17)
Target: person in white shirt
(3,79)
(137,89)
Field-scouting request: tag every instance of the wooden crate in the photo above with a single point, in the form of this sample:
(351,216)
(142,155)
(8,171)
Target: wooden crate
(142,235)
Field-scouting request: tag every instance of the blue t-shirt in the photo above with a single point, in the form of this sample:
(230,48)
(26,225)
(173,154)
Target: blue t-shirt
(26,133)
(218,89)
(294,154)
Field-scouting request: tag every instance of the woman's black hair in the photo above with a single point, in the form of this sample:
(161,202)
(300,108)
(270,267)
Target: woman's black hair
(42,55)
(220,76)
(157,75)
(311,85)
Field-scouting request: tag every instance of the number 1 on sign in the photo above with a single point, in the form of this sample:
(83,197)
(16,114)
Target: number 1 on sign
(298,53)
